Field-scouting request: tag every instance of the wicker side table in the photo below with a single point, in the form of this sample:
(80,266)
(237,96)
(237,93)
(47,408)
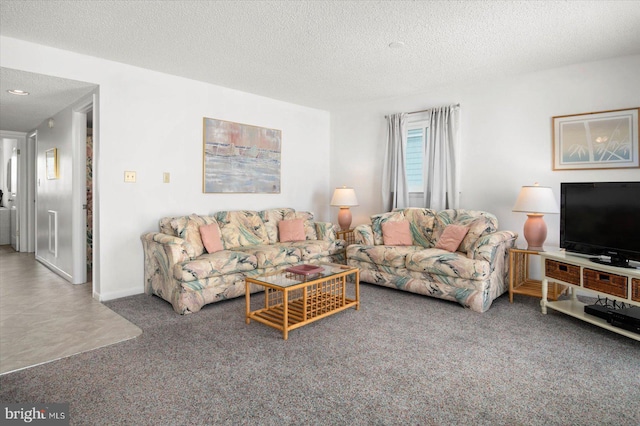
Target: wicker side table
(520,281)
(349,237)
(346,235)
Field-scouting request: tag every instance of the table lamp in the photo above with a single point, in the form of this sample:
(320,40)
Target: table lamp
(344,198)
(536,201)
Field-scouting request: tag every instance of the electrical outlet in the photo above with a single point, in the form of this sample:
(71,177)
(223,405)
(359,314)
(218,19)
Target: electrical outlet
(130,177)
(166,177)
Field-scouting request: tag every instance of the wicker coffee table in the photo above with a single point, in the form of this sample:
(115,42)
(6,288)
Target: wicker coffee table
(292,300)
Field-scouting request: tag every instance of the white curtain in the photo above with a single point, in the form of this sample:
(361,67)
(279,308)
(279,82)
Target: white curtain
(442,158)
(395,193)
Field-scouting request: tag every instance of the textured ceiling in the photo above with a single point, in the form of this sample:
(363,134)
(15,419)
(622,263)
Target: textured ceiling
(329,54)
(47,96)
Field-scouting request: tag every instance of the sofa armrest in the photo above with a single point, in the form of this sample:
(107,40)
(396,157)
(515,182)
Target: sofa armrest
(177,249)
(161,253)
(363,235)
(488,246)
(326,231)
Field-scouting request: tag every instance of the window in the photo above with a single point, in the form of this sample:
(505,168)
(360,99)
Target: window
(416,142)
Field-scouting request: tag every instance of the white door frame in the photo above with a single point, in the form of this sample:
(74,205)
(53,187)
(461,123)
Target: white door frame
(31,173)
(79,192)
(23,181)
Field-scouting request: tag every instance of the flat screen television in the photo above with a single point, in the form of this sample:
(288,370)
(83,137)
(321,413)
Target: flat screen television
(601,219)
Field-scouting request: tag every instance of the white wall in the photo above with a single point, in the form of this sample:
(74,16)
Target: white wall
(151,123)
(57,195)
(506,136)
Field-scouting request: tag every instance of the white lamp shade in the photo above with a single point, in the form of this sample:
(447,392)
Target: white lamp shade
(344,197)
(536,199)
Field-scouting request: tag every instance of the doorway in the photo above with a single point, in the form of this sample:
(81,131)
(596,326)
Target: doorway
(14,157)
(64,192)
(52,205)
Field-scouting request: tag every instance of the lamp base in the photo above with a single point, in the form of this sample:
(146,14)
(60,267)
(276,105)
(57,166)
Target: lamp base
(535,231)
(344,218)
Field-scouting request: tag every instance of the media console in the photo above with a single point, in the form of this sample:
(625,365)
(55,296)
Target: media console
(621,284)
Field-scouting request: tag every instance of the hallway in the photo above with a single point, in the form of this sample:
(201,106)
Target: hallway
(44,318)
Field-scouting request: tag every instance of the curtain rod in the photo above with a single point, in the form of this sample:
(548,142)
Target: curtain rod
(424,110)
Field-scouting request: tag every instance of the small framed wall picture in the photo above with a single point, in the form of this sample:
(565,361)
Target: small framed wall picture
(51,162)
(596,140)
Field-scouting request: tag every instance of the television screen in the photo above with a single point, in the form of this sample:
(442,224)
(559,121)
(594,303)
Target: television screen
(601,219)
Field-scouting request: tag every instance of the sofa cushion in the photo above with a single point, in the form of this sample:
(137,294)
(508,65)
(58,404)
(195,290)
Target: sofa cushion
(291,230)
(273,255)
(477,228)
(316,249)
(363,235)
(396,233)
(479,224)
(241,228)
(326,230)
(271,218)
(309,226)
(441,262)
(393,256)
(215,264)
(211,238)
(165,226)
(378,219)
(188,228)
(421,224)
(452,237)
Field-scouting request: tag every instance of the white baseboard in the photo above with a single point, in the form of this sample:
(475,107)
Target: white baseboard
(99,296)
(111,295)
(55,269)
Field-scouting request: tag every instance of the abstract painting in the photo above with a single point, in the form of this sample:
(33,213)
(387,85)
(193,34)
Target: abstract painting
(596,140)
(239,158)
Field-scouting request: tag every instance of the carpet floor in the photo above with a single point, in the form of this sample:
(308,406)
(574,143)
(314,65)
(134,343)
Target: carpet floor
(401,359)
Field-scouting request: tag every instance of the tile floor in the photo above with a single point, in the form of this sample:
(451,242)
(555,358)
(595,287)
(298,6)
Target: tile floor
(44,318)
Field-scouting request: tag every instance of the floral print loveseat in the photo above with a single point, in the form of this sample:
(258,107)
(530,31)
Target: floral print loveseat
(473,276)
(178,268)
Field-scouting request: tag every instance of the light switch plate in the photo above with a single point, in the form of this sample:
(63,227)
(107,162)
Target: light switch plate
(166,177)
(130,177)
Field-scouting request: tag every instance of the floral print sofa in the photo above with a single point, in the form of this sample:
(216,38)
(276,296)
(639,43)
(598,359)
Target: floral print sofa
(178,268)
(473,276)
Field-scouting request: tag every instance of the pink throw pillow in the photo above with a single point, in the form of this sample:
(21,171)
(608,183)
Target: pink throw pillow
(396,233)
(211,240)
(291,230)
(452,237)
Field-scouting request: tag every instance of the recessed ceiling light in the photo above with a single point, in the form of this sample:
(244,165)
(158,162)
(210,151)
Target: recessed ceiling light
(396,44)
(18,92)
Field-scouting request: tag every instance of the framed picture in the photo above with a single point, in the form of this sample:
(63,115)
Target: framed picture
(51,162)
(596,140)
(239,158)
